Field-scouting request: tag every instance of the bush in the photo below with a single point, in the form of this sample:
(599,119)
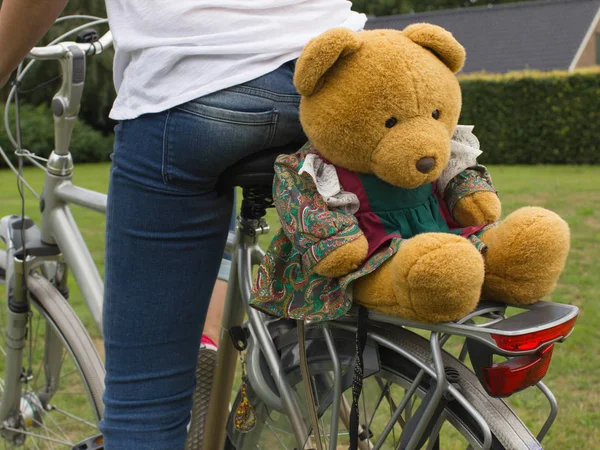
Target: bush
(99,92)
(535,117)
(37,130)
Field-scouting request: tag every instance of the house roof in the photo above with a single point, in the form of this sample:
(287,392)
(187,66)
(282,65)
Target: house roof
(541,35)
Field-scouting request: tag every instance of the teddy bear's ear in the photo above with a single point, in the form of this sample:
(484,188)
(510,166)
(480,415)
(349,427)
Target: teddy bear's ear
(439,41)
(319,55)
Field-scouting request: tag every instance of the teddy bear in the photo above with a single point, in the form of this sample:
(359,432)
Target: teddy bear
(386,205)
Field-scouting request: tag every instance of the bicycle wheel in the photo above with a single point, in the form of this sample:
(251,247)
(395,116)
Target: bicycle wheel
(74,410)
(383,391)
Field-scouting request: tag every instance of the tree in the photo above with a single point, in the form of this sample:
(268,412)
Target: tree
(389,7)
(42,82)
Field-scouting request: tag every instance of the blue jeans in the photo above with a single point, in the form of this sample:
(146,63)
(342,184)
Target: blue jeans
(166,230)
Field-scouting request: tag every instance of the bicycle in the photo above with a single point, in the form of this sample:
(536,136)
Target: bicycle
(295,387)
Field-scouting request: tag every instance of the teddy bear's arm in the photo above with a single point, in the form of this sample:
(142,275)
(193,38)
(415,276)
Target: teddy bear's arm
(314,230)
(471,197)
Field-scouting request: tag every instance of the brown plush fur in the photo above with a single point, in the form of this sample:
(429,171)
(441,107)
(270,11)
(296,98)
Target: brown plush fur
(526,254)
(476,209)
(343,259)
(440,42)
(435,277)
(383,77)
(351,84)
(319,55)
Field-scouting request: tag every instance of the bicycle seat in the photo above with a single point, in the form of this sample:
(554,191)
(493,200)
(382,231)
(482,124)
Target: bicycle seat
(256,169)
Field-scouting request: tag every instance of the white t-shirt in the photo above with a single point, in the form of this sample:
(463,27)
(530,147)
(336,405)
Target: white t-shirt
(170,52)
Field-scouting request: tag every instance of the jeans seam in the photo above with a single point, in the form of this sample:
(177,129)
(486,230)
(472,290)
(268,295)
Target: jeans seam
(106,322)
(273,127)
(248,90)
(219,119)
(165,150)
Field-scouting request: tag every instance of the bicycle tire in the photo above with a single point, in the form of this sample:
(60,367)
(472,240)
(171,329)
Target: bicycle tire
(508,431)
(58,313)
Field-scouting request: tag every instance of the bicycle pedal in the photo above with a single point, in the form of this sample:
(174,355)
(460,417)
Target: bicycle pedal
(93,443)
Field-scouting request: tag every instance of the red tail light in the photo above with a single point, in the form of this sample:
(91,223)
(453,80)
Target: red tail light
(530,341)
(516,374)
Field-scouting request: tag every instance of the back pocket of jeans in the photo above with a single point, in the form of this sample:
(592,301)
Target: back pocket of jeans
(201,141)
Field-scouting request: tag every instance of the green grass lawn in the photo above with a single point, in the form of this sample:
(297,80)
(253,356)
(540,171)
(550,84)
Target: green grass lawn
(573,192)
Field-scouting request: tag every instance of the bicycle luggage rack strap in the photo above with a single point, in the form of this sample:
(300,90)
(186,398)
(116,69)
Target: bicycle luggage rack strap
(536,317)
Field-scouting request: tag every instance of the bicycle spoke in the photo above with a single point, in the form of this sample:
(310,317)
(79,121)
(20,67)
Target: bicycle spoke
(36,446)
(399,409)
(326,435)
(79,419)
(70,419)
(46,430)
(380,400)
(409,408)
(392,404)
(62,394)
(37,377)
(74,371)
(39,436)
(57,425)
(282,431)
(392,409)
(276,436)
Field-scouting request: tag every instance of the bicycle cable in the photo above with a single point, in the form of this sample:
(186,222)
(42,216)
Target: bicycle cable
(29,369)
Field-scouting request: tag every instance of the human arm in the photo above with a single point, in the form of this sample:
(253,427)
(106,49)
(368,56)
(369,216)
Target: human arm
(331,243)
(22,25)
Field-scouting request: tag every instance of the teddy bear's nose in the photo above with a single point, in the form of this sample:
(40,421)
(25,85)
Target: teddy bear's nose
(424,165)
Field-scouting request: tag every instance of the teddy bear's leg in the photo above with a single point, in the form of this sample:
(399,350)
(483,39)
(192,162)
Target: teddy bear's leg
(434,277)
(526,254)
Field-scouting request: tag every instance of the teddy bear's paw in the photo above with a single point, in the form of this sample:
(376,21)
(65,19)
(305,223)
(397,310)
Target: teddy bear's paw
(480,208)
(526,254)
(438,276)
(375,291)
(344,259)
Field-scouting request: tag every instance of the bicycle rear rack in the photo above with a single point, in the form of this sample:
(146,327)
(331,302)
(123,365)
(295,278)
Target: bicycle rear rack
(535,318)
(531,319)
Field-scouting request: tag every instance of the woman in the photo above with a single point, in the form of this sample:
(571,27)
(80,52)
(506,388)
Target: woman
(200,85)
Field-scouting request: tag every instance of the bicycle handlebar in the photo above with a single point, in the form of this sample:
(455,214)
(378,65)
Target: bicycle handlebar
(59,51)
(65,104)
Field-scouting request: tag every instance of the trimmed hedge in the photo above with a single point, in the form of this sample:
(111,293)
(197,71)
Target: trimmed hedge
(37,131)
(520,118)
(535,117)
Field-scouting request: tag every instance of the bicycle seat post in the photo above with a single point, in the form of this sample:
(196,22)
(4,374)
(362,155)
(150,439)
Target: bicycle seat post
(256,200)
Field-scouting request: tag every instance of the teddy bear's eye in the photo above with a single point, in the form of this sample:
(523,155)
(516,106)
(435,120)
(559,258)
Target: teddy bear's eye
(435,114)
(391,122)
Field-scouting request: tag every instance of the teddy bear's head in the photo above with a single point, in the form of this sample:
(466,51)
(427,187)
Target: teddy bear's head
(384,102)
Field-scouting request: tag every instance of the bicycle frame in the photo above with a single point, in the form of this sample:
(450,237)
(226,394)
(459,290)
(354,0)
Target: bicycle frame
(58,228)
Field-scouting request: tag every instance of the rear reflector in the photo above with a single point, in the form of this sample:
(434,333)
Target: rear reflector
(531,341)
(516,374)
